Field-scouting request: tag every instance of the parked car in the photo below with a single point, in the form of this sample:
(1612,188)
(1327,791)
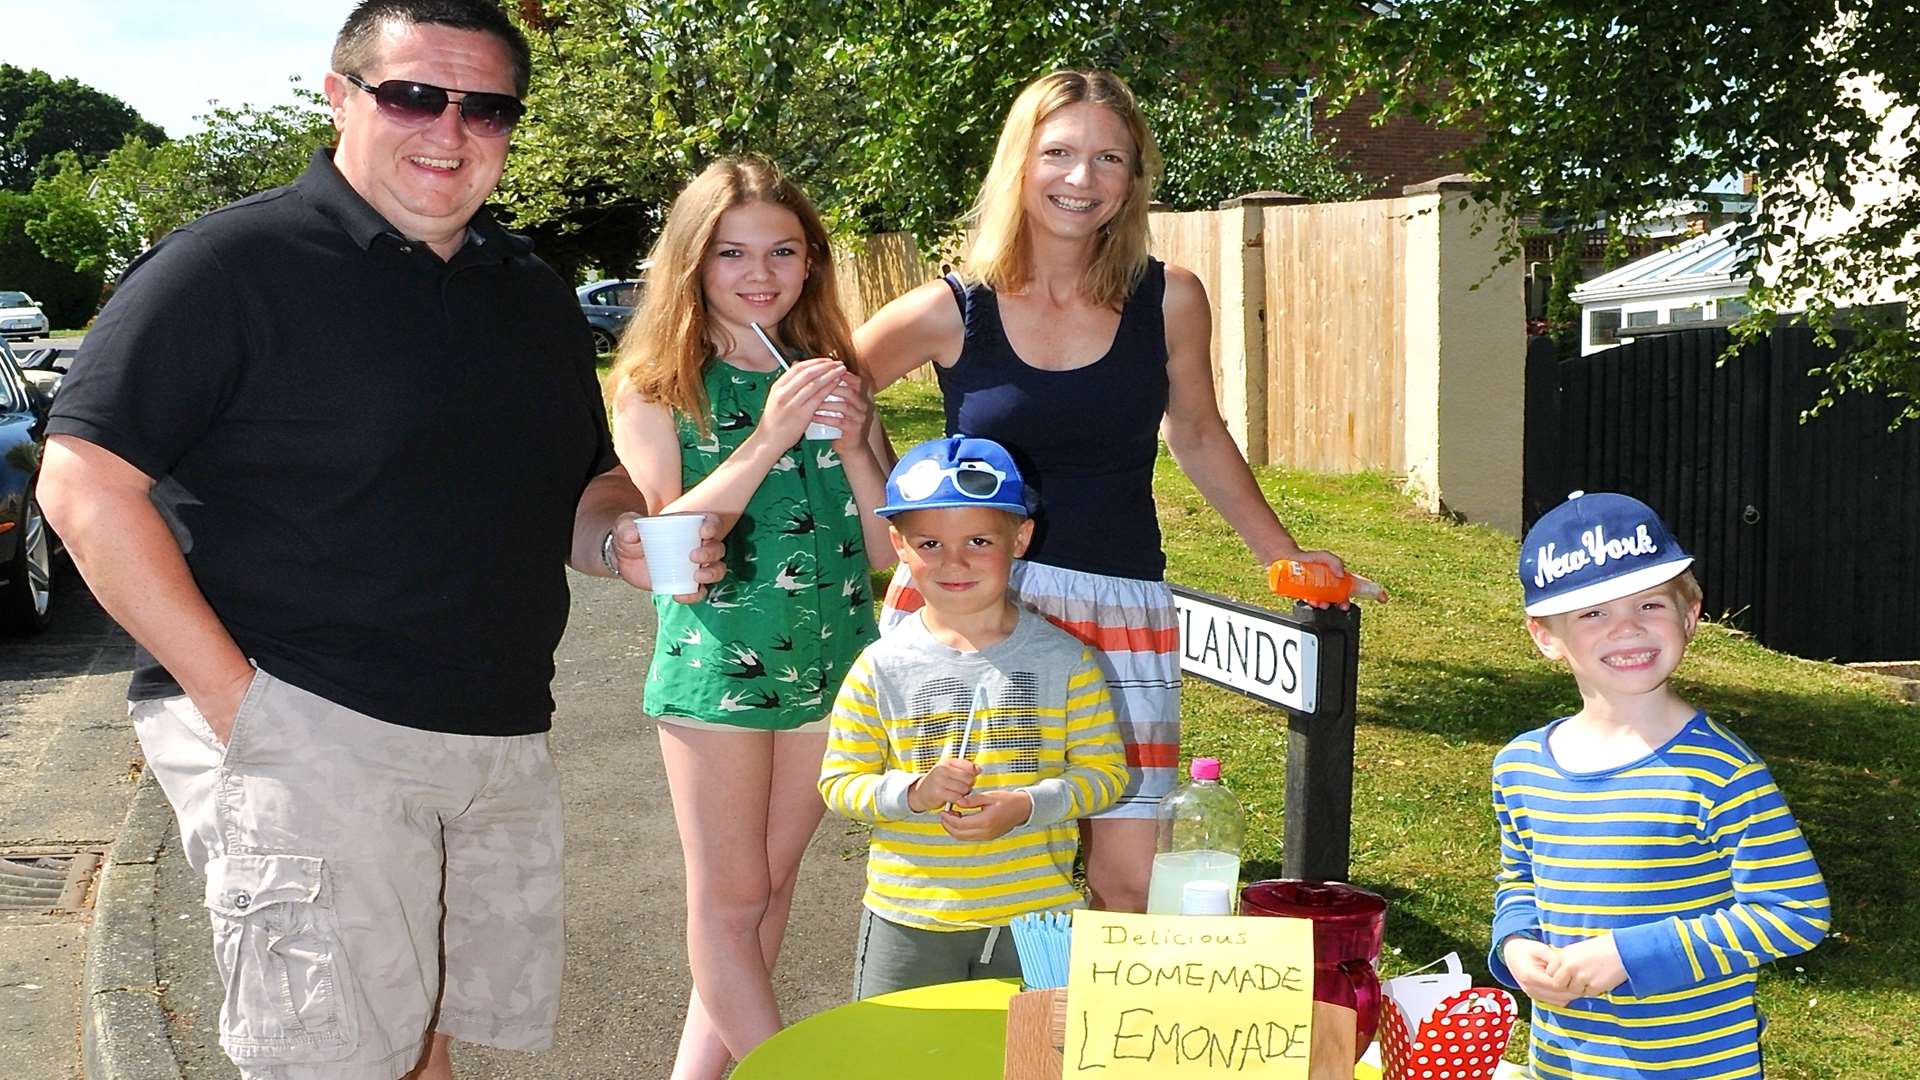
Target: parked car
(21,317)
(26,544)
(608,305)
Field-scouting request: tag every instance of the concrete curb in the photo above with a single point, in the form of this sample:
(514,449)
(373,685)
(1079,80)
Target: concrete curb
(124,1033)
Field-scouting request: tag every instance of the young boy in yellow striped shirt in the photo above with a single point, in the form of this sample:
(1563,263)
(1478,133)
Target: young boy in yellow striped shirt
(971,737)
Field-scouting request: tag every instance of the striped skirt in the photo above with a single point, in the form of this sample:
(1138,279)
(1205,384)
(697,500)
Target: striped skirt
(1134,632)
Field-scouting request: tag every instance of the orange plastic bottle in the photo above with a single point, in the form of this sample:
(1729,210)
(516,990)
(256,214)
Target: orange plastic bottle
(1318,583)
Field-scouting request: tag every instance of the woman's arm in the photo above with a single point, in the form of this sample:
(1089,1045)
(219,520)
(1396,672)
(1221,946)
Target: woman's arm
(865,474)
(648,446)
(922,326)
(1198,437)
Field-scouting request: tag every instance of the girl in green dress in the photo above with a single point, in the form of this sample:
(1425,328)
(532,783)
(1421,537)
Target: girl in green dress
(705,419)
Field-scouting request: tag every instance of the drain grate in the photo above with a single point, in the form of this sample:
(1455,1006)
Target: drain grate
(46,882)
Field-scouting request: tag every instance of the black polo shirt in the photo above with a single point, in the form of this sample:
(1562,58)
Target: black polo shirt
(371,457)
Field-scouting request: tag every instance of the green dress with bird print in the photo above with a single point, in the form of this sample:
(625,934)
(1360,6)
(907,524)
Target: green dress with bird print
(769,645)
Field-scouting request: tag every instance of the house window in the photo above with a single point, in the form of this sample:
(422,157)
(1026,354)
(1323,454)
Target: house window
(1642,318)
(1292,103)
(1732,307)
(1603,327)
(1690,313)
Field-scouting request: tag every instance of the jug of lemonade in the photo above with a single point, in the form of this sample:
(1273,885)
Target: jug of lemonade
(1200,829)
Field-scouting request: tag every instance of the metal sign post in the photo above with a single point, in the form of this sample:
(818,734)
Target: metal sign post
(1307,662)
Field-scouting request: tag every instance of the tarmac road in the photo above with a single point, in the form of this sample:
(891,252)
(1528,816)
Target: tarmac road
(626,981)
(67,767)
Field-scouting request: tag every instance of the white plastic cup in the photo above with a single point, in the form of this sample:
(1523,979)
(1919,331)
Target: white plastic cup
(668,541)
(825,432)
(1206,898)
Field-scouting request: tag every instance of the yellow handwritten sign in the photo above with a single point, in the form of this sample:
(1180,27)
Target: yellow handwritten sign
(1158,996)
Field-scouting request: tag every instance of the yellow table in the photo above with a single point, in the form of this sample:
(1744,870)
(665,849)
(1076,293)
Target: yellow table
(953,1031)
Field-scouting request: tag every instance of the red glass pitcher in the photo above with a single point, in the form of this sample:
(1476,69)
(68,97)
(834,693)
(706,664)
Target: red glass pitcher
(1348,923)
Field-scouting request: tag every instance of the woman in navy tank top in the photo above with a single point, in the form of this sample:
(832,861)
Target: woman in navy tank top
(1066,342)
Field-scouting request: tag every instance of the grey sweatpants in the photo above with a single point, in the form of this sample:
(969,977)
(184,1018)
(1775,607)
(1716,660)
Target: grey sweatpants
(891,957)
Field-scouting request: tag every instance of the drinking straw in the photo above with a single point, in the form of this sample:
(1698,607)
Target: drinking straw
(978,706)
(1024,944)
(768,342)
(1042,940)
(1062,942)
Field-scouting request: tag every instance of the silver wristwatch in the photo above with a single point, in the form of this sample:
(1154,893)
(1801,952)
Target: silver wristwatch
(606,555)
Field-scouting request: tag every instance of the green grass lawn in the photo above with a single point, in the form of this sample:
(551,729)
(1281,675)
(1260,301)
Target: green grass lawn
(1447,676)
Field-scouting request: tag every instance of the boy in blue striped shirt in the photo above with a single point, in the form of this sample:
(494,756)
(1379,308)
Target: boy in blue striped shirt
(1648,864)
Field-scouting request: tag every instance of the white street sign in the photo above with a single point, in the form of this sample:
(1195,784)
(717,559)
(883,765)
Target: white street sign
(1247,649)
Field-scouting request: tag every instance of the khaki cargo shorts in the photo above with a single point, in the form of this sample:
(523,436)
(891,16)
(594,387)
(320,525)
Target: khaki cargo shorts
(327,839)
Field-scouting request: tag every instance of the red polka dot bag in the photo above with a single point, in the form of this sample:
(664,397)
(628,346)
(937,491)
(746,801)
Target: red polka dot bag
(1460,1032)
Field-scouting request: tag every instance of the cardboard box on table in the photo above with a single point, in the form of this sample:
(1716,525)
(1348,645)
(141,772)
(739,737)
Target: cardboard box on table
(1441,1025)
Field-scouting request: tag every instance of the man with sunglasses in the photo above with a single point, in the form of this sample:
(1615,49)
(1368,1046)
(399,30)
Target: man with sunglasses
(325,456)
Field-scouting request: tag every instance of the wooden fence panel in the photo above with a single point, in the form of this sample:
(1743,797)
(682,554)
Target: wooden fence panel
(1662,421)
(1542,443)
(1336,335)
(874,270)
(1805,535)
(1842,517)
(1192,240)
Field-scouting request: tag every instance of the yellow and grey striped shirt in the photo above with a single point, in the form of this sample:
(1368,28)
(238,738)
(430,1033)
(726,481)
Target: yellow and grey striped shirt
(1047,729)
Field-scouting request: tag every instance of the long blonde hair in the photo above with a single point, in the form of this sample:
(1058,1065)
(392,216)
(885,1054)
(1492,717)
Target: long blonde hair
(1000,253)
(665,352)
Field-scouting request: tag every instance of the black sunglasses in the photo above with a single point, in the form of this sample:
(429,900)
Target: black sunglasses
(418,104)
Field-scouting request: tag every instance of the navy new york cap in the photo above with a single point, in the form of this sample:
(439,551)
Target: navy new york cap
(1595,548)
(956,471)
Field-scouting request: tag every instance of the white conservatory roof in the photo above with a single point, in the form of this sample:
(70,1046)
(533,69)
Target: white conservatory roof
(1705,262)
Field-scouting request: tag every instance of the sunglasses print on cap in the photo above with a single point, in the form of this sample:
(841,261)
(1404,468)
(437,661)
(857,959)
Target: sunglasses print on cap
(974,479)
(418,104)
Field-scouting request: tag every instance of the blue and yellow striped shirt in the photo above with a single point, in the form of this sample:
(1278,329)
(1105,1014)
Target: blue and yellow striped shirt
(1690,858)
(1047,729)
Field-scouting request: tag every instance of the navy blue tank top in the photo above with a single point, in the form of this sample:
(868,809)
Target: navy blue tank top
(1085,439)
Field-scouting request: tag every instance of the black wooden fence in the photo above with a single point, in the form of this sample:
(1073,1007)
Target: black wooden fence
(1805,535)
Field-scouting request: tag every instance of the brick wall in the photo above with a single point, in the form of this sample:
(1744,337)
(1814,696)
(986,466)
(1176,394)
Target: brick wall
(1400,152)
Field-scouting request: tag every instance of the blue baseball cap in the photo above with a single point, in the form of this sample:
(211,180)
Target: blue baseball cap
(1595,548)
(956,471)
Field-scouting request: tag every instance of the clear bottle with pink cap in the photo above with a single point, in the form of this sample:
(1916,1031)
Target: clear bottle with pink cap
(1200,831)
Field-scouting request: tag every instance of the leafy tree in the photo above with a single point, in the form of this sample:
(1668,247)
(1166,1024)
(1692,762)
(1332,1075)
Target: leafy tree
(100,218)
(1563,315)
(1206,164)
(885,110)
(92,219)
(246,149)
(68,296)
(1609,109)
(40,117)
